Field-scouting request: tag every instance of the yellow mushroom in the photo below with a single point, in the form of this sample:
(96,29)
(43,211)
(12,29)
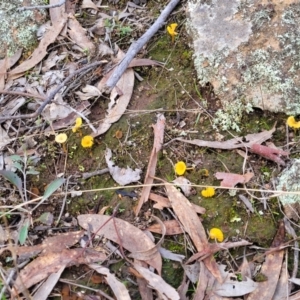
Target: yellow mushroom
(216,234)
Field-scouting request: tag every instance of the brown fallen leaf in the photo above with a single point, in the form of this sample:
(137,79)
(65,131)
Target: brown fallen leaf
(192,225)
(41,267)
(230,179)
(117,286)
(269,153)
(157,283)
(119,98)
(132,238)
(58,20)
(172,228)
(159,129)
(6,64)
(162,202)
(271,268)
(238,142)
(78,35)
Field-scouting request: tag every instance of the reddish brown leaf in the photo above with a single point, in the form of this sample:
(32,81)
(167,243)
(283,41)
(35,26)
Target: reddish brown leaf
(172,227)
(158,128)
(41,267)
(271,268)
(230,179)
(269,153)
(132,238)
(162,202)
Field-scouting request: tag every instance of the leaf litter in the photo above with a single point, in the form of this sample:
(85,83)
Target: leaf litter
(133,243)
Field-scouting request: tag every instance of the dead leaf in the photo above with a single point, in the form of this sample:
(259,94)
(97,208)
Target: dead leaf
(167,254)
(157,283)
(132,238)
(46,288)
(172,227)
(52,262)
(233,288)
(6,64)
(158,128)
(89,4)
(117,286)
(162,202)
(192,225)
(70,119)
(271,268)
(238,142)
(269,153)
(58,19)
(121,175)
(231,180)
(89,91)
(120,97)
(79,37)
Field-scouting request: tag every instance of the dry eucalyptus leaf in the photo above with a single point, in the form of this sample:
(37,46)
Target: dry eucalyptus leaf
(231,180)
(157,283)
(132,238)
(121,175)
(116,285)
(89,91)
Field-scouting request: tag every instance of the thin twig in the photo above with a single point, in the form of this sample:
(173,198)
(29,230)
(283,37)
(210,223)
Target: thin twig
(91,174)
(28,95)
(52,94)
(42,6)
(137,46)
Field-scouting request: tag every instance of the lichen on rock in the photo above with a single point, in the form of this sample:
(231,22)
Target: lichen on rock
(250,52)
(18,28)
(289,181)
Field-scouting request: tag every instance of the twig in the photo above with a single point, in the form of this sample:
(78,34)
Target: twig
(42,6)
(52,94)
(137,46)
(23,94)
(91,174)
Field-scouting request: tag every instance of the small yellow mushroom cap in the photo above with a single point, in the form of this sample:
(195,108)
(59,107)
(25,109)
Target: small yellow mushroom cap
(180,168)
(61,138)
(87,141)
(291,122)
(216,234)
(171,29)
(208,192)
(78,124)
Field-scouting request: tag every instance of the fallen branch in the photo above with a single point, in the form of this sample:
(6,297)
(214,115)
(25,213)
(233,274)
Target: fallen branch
(137,46)
(52,94)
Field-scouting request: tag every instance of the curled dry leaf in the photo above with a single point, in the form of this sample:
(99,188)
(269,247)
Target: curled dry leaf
(89,91)
(172,227)
(121,175)
(132,238)
(269,153)
(230,179)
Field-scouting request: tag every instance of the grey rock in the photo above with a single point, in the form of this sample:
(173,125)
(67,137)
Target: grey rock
(250,52)
(18,28)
